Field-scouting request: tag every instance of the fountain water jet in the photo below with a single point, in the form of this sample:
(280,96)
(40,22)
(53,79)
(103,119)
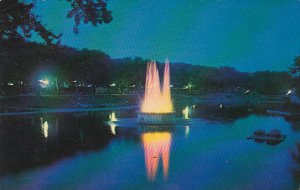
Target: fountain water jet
(112,117)
(157,106)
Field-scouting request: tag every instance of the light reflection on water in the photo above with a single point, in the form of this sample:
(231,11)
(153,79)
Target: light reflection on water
(113,128)
(47,128)
(156,146)
(44,127)
(80,153)
(187,131)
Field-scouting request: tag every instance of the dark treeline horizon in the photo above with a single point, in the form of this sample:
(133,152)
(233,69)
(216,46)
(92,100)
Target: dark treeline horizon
(29,62)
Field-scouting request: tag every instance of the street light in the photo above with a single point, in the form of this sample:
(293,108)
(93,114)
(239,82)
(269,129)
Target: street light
(288,92)
(44,83)
(189,86)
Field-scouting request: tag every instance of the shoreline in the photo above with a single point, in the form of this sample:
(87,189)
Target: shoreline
(32,104)
(68,110)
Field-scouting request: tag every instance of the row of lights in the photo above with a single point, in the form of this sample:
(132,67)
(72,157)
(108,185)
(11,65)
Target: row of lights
(45,83)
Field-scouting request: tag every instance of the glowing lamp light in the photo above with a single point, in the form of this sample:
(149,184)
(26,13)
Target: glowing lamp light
(112,85)
(44,83)
(288,92)
(10,84)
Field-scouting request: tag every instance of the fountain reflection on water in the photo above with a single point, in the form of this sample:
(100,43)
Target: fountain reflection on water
(156,146)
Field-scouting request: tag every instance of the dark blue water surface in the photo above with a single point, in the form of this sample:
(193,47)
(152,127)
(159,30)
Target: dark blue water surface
(82,151)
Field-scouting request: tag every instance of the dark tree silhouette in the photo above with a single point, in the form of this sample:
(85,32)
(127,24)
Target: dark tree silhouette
(17,20)
(28,62)
(295,73)
(295,69)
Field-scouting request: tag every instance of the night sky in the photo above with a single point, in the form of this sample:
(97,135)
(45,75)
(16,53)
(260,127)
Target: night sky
(249,35)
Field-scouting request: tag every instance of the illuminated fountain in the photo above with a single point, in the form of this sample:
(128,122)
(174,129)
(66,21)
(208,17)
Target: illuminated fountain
(112,117)
(185,112)
(156,146)
(157,107)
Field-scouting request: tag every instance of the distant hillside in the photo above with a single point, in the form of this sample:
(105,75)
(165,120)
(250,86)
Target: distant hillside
(28,62)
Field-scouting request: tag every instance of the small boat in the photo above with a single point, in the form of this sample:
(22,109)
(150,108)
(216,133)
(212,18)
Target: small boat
(274,137)
(258,136)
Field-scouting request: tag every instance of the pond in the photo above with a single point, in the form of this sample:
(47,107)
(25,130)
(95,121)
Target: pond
(80,151)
